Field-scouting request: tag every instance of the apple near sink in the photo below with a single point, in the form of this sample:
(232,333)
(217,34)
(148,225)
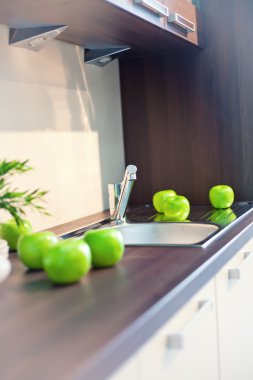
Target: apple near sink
(164,234)
(151,234)
(141,227)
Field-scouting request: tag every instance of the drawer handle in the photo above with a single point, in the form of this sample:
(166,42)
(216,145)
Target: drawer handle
(176,18)
(154,6)
(236,273)
(176,341)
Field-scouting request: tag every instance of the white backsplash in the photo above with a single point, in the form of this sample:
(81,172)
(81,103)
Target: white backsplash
(66,118)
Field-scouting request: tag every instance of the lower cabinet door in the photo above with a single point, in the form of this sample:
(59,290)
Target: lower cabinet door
(234,284)
(186,347)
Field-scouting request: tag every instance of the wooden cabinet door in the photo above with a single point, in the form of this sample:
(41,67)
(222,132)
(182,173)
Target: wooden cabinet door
(153,11)
(186,347)
(234,287)
(184,20)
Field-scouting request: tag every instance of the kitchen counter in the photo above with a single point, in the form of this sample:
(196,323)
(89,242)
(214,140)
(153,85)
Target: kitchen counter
(85,331)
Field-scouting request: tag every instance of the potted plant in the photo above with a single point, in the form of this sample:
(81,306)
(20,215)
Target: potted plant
(15,201)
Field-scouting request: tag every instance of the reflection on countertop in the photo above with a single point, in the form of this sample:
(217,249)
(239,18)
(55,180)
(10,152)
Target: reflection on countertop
(199,213)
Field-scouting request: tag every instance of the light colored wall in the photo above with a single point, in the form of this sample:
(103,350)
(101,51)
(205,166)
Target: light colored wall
(66,118)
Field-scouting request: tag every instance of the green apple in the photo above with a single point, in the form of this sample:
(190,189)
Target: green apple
(106,245)
(160,197)
(67,261)
(221,196)
(177,209)
(32,248)
(159,218)
(11,232)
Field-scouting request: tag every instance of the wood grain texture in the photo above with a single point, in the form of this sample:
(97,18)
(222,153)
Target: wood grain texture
(86,330)
(96,22)
(188,117)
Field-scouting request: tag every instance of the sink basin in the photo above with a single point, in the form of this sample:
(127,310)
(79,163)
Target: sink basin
(156,233)
(142,229)
(162,234)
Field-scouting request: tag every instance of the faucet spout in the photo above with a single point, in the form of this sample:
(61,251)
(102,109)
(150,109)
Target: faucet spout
(119,194)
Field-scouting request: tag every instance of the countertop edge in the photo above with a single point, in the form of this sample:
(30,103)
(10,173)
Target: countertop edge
(136,334)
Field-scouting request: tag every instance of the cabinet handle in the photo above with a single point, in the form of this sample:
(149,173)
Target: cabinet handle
(236,273)
(176,341)
(154,6)
(182,22)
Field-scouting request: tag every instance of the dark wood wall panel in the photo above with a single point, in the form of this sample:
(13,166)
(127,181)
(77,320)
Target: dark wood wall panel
(188,117)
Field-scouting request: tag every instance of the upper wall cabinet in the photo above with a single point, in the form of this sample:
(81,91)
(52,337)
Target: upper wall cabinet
(180,18)
(142,24)
(152,11)
(184,20)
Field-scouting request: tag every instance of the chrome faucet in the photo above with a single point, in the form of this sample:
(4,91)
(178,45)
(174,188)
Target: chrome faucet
(119,194)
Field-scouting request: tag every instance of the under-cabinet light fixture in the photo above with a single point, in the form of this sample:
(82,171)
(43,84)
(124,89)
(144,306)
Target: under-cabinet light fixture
(34,38)
(100,56)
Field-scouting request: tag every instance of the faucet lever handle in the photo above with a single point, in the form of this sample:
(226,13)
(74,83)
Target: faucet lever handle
(119,193)
(131,172)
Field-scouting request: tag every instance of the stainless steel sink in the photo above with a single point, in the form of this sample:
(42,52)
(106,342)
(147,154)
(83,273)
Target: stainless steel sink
(162,234)
(143,228)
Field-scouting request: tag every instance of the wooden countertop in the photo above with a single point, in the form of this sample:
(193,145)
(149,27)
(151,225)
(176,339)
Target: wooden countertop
(86,330)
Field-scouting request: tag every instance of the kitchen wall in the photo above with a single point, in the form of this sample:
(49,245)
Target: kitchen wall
(65,117)
(192,113)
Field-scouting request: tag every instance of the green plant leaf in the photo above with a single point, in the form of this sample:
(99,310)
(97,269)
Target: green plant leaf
(13,200)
